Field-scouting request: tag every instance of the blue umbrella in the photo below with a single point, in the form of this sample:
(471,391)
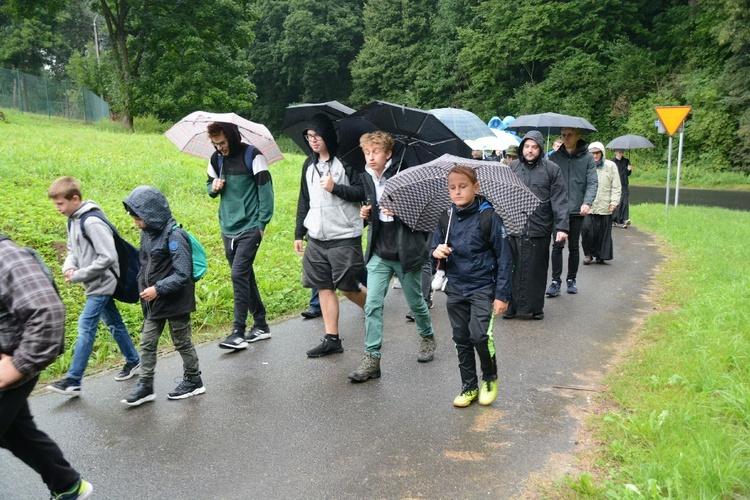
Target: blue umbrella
(464,124)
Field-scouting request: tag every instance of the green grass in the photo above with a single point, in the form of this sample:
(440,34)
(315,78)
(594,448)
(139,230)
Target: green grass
(681,427)
(35,150)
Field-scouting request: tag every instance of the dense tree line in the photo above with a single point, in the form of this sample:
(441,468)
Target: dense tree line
(609,61)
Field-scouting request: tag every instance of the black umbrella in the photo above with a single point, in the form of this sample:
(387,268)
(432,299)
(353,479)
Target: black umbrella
(551,122)
(420,136)
(629,141)
(298,115)
(420,194)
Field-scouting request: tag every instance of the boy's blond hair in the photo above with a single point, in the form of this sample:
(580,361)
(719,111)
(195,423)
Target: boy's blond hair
(378,138)
(67,187)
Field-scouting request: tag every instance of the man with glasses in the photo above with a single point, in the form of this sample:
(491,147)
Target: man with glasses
(328,216)
(239,174)
(579,172)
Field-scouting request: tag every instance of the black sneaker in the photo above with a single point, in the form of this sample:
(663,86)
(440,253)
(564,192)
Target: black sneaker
(143,393)
(554,289)
(191,385)
(572,288)
(66,387)
(128,371)
(235,341)
(330,344)
(311,313)
(410,316)
(255,334)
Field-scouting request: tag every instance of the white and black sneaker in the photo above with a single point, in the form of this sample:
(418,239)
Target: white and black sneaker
(66,387)
(256,333)
(143,393)
(128,371)
(191,385)
(235,341)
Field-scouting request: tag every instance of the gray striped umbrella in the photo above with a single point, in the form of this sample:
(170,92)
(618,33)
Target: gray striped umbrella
(419,195)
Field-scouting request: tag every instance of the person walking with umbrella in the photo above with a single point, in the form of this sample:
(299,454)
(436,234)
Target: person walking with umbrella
(238,174)
(530,245)
(478,268)
(328,216)
(579,172)
(624,168)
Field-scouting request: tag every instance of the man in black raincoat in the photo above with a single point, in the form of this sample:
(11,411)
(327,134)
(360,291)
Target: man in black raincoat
(530,249)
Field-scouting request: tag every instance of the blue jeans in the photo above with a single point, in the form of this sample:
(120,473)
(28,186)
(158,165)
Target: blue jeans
(379,273)
(99,307)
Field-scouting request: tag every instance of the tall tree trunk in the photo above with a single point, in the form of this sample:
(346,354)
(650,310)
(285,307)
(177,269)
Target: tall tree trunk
(116,28)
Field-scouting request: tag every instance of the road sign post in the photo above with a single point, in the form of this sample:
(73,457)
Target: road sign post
(673,118)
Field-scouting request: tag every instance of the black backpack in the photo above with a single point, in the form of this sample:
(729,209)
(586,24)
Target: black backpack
(127,257)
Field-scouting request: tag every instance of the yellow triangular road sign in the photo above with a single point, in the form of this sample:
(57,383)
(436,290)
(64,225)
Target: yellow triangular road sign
(672,116)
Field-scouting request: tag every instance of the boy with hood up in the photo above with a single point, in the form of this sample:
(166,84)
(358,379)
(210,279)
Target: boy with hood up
(530,249)
(167,292)
(328,215)
(246,207)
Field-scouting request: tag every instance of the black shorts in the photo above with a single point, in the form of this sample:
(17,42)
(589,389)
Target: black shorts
(331,266)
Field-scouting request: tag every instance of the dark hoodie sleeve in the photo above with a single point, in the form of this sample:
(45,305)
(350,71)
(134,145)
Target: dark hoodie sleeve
(303,204)
(355,191)
(592,182)
(182,265)
(558,198)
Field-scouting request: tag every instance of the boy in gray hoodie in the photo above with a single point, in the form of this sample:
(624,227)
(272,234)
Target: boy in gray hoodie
(167,291)
(91,261)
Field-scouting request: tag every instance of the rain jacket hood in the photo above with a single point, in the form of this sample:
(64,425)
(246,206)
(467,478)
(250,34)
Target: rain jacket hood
(323,126)
(150,204)
(532,135)
(232,132)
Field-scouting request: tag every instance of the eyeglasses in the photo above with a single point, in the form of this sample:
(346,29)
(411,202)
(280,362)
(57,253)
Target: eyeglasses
(219,144)
(313,138)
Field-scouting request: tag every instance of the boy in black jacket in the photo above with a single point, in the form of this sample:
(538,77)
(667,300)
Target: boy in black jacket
(167,292)
(392,248)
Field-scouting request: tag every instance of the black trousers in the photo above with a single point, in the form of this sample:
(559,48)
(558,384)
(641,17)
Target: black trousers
(240,252)
(574,250)
(623,209)
(20,435)
(470,320)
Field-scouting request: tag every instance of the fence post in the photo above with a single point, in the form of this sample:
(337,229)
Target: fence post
(83,100)
(46,96)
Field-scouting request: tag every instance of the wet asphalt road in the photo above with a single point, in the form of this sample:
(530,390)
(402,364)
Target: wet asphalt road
(276,424)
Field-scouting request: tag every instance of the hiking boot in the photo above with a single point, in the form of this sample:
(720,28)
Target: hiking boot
(128,371)
(143,393)
(80,490)
(465,398)
(235,341)
(554,289)
(487,392)
(587,260)
(256,333)
(191,385)
(368,368)
(330,344)
(66,387)
(572,288)
(427,349)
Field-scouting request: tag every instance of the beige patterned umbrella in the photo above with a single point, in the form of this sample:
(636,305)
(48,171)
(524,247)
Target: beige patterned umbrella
(189,135)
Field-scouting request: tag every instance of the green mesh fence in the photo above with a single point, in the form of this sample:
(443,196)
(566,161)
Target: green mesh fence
(35,94)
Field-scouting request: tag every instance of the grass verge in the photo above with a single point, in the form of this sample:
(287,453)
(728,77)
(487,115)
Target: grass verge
(677,423)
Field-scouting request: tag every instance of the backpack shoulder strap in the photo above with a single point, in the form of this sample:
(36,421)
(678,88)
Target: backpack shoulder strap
(485,224)
(250,153)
